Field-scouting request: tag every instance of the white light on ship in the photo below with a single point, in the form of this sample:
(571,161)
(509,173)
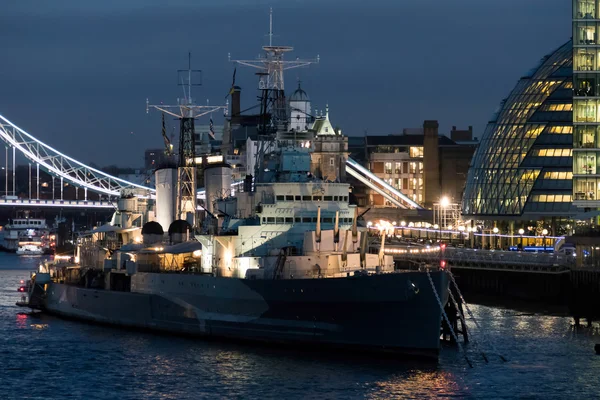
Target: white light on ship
(197,253)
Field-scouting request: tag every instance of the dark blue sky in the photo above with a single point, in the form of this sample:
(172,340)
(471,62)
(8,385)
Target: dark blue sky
(76,74)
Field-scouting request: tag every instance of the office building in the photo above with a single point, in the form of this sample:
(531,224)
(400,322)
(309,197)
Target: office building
(523,168)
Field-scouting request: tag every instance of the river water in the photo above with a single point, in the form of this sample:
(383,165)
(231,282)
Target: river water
(44,357)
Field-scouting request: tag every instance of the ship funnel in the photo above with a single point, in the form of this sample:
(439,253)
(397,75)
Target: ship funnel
(166,196)
(363,249)
(318,230)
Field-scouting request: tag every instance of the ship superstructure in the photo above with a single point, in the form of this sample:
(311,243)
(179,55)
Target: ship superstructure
(279,258)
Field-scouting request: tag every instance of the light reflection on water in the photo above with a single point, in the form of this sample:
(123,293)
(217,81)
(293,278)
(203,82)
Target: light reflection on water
(547,359)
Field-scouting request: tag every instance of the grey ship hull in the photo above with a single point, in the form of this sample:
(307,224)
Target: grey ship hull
(395,313)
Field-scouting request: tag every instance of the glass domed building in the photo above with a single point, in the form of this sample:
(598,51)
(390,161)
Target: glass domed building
(523,166)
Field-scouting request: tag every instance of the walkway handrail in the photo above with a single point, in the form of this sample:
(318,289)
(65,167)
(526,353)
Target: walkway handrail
(368,174)
(61,165)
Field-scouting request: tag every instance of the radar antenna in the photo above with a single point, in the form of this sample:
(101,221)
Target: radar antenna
(270,68)
(186,111)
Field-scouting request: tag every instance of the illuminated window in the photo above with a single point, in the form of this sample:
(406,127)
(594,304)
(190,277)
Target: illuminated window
(388,167)
(560,130)
(553,152)
(416,152)
(557,107)
(552,198)
(558,175)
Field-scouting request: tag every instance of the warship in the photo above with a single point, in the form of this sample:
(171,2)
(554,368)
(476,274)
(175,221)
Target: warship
(277,257)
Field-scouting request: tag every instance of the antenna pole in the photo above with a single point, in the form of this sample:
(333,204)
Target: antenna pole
(189,77)
(271,26)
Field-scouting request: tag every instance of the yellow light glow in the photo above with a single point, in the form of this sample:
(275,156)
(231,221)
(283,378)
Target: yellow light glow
(445,201)
(214,159)
(197,253)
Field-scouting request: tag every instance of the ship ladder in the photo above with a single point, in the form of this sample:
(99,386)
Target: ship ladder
(280,264)
(472,317)
(437,297)
(461,315)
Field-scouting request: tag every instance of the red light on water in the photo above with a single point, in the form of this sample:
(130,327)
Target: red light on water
(443,264)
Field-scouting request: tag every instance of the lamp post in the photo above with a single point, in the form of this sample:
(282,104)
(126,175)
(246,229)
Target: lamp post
(544,233)
(403,224)
(437,229)
(521,232)
(496,230)
(461,229)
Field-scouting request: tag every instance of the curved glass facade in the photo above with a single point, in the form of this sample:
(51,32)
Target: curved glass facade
(523,166)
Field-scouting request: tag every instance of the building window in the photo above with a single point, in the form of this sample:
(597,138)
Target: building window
(586,188)
(586,137)
(416,152)
(585,163)
(388,167)
(558,175)
(413,167)
(584,9)
(553,152)
(585,60)
(405,167)
(332,161)
(398,168)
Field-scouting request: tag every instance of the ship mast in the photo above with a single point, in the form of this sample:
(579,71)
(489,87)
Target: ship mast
(273,112)
(186,110)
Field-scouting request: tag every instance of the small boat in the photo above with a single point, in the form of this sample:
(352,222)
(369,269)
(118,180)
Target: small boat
(30,249)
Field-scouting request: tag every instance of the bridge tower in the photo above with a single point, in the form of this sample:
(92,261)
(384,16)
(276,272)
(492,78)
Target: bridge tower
(187,112)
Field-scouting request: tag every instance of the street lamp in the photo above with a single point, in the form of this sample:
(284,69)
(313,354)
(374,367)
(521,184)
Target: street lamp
(544,233)
(461,229)
(521,232)
(496,230)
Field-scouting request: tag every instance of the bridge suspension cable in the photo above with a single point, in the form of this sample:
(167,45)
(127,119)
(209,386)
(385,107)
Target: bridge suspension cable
(65,167)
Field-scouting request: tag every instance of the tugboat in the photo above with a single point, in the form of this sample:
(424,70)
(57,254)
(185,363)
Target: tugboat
(281,260)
